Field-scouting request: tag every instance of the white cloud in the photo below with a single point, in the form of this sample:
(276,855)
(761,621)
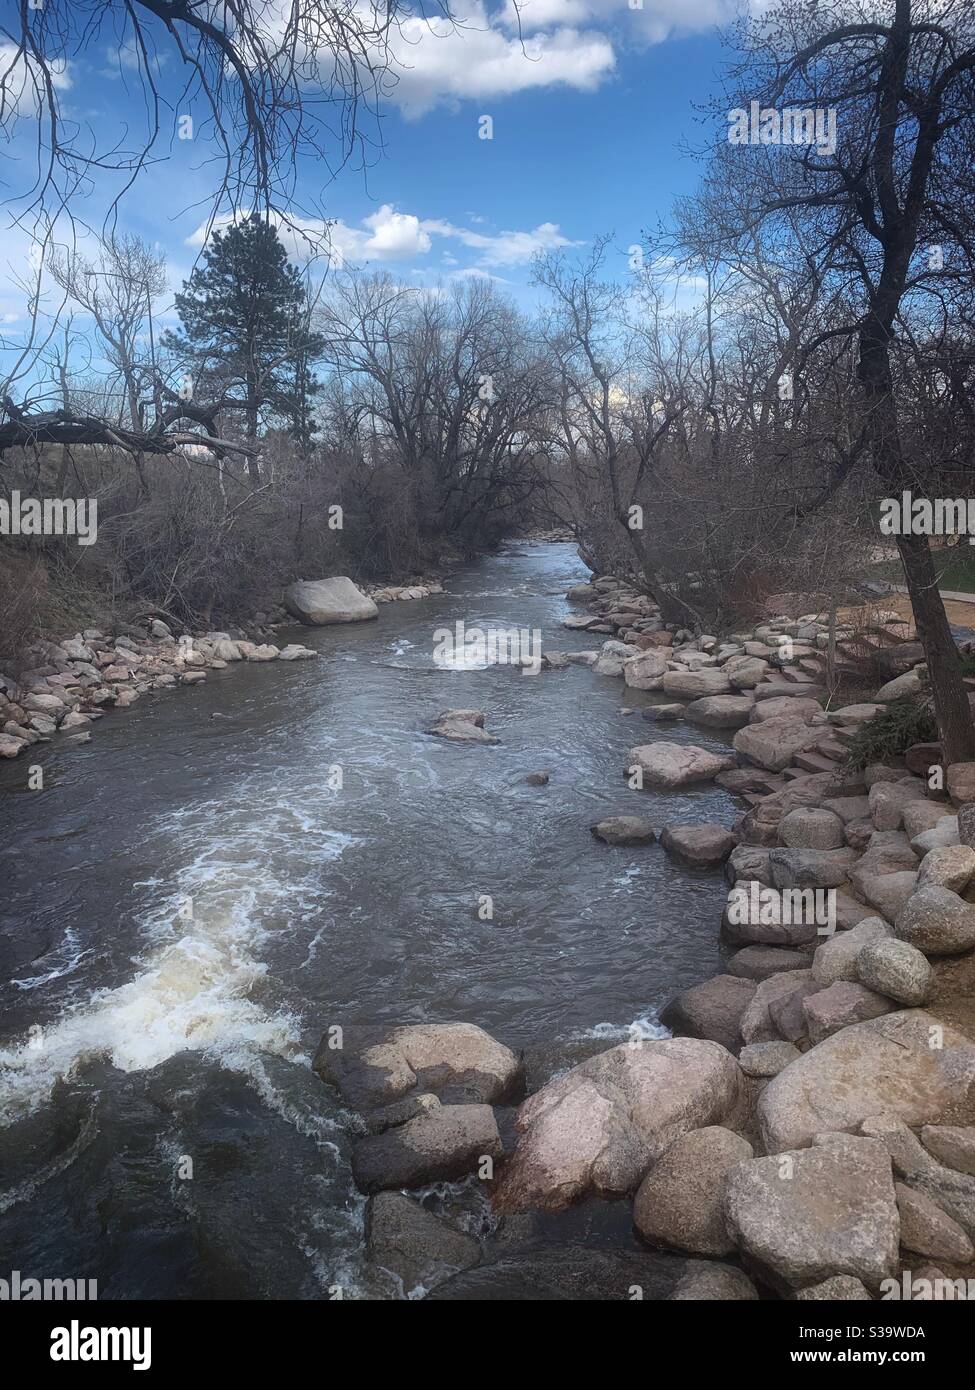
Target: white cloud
(504,248)
(478,57)
(22,82)
(388,235)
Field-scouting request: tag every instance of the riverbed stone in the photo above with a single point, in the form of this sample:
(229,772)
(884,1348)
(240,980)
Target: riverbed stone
(624,830)
(453,1060)
(598,1128)
(659,714)
(954,1192)
(694,685)
(712,1009)
(810,868)
(760,962)
(317,602)
(944,833)
(885,1065)
(745,672)
(440,1145)
(698,844)
(462,726)
(773,743)
(749,862)
(646,670)
(720,711)
(896,969)
(937,922)
(806,1215)
(888,893)
(810,828)
(419,1248)
(841,1288)
(793,707)
(757,1024)
(671,765)
(680,1203)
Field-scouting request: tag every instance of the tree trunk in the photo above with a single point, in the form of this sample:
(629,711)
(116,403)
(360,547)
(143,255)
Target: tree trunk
(944,663)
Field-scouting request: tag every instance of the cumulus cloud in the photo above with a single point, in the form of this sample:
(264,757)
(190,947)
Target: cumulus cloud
(479,57)
(388,235)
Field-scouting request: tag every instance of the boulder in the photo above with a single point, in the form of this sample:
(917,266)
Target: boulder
(646,670)
(767,1059)
(888,800)
(937,922)
(317,602)
(961,782)
(836,959)
(624,830)
(889,893)
(566,1273)
(455,1060)
(896,969)
(810,868)
(658,714)
(910,683)
(745,672)
(612,657)
(697,844)
(706,1281)
(438,1145)
(841,1005)
(951,867)
(926,1229)
(848,808)
(757,1024)
(693,685)
(885,1065)
(919,816)
(462,726)
(720,711)
(671,765)
(712,1009)
(758,915)
(944,833)
(954,1192)
(759,962)
(793,707)
(680,1203)
(749,862)
(598,1128)
(952,1145)
(804,1216)
(809,828)
(294,651)
(417,1247)
(841,1288)
(773,743)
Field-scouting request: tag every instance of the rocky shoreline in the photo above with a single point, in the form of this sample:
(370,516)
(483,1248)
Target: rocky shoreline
(807,1132)
(68,684)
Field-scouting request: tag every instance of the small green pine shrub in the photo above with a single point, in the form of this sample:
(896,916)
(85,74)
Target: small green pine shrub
(902,723)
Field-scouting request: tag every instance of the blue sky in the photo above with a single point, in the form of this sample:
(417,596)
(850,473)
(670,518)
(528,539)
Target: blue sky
(588,127)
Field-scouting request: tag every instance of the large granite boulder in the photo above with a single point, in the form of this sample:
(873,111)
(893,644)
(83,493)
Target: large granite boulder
(438,1145)
(937,922)
(907,1064)
(598,1128)
(316,602)
(671,765)
(803,1216)
(680,1203)
(712,1009)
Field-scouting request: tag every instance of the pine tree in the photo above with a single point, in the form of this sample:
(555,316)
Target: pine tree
(246,337)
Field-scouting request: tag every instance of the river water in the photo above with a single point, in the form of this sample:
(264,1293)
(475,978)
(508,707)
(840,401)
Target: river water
(191,900)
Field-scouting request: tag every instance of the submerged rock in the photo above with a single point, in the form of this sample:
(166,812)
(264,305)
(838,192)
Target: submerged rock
(462,726)
(624,830)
